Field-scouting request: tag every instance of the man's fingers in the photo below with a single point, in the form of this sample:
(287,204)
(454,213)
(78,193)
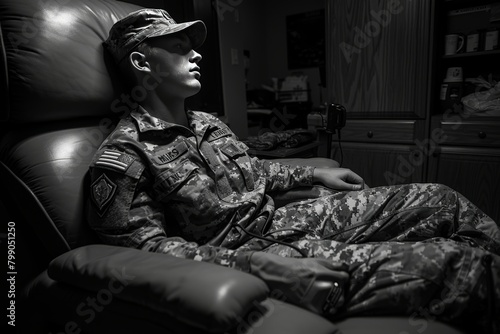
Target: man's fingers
(338,270)
(354,181)
(352,177)
(343,185)
(357,186)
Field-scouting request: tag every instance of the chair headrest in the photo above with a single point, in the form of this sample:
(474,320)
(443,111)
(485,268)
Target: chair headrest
(53,60)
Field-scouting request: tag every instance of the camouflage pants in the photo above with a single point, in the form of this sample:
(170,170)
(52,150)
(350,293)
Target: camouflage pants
(421,249)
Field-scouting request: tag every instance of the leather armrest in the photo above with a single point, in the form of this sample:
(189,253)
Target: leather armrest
(316,162)
(203,295)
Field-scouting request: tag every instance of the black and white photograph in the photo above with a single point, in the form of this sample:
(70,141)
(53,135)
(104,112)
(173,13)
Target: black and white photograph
(250,166)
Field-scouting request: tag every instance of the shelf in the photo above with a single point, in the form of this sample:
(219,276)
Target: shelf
(295,95)
(455,4)
(472,54)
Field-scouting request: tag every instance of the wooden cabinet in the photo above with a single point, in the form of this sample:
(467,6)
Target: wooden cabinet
(378,57)
(378,67)
(466,154)
(474,57)
(467,158)
(382,164)
(380,131)
(475,132)
(383,151)
(386,63)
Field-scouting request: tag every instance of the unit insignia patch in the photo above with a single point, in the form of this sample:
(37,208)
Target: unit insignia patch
(102,193)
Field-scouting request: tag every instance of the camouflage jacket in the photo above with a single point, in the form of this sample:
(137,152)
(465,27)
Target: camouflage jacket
(167,188)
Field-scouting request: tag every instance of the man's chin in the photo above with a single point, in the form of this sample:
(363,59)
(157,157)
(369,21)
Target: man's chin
(195,89)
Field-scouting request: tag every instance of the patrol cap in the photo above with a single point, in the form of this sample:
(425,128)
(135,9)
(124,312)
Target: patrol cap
(136,27)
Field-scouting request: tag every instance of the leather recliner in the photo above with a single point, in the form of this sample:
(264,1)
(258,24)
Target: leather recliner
(60,98)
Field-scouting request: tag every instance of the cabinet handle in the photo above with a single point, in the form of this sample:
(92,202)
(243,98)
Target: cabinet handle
(369,134)
(481,134)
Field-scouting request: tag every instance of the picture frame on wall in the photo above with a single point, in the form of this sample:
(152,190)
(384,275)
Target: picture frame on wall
(306,39)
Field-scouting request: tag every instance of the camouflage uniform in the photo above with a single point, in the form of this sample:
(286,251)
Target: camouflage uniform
(183,191)
(451,267)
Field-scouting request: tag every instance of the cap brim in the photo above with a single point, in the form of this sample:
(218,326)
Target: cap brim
(195,30)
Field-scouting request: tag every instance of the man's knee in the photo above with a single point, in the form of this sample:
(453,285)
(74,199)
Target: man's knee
(443,188)
(436,187)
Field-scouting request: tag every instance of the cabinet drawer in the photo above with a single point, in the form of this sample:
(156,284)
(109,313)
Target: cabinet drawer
(480,133)
(379,131)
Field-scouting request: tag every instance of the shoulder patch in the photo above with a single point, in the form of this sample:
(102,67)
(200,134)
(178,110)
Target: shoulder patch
(114,160)
(103,191)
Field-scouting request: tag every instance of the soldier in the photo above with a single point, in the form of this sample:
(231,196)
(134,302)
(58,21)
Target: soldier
(179,182)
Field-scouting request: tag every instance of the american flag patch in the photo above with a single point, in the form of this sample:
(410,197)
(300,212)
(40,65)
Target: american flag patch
(115,160)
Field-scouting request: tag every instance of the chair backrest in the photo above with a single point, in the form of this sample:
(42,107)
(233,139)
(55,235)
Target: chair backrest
(58,97)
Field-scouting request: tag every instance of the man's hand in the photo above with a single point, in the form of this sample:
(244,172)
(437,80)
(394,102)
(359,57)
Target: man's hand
(338,178)
(315,284)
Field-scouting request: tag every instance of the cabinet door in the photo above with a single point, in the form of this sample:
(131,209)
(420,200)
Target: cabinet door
(380,164)
(473,172)
(378,56)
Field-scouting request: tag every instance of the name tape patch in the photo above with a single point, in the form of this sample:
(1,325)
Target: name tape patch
(218,133)
(166,155)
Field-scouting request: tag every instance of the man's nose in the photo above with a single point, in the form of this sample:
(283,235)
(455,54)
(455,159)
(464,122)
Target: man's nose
(196,57)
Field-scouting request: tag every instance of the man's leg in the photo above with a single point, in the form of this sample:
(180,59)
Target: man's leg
(412,212)
(434,279)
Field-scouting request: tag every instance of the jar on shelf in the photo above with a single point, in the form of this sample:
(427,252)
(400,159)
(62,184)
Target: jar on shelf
(491,39)
(472,41)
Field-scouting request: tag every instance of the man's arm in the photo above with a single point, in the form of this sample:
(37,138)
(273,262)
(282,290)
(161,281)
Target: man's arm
(122,212)
(282,176)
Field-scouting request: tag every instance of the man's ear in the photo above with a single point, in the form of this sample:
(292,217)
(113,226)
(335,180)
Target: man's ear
(138,61)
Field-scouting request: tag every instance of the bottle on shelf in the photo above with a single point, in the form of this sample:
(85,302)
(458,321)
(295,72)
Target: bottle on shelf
(452,88)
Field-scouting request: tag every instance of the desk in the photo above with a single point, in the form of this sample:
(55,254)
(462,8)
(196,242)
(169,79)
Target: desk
(305,151)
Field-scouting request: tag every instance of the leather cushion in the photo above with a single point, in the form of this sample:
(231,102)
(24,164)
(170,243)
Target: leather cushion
(50,165)
(395,325)
(203,295)
(278,317)
(55,61)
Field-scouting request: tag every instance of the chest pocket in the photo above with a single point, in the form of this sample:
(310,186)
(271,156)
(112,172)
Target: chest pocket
(236,151)
(173,178)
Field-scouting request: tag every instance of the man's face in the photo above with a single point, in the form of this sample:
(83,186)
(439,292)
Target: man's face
(174,60)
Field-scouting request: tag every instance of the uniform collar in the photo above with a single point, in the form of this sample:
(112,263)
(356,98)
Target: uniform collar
(146,122)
